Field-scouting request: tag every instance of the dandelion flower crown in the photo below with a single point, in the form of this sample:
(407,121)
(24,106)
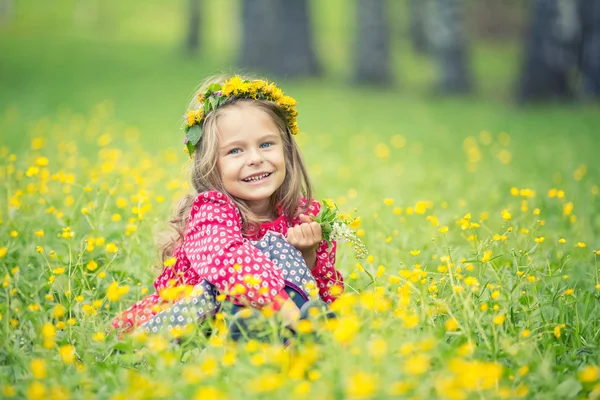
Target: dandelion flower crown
(216,95)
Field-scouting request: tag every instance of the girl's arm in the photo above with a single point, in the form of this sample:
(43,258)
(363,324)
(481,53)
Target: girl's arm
(323,266)
(218,252)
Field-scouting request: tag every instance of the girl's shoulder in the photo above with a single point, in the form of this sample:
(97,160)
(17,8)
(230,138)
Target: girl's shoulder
(213,201)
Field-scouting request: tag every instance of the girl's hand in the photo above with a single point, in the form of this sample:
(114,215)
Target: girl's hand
(306,236)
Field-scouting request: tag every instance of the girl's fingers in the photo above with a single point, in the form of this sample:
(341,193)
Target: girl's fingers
(290,236)
(316,231)
(305,218)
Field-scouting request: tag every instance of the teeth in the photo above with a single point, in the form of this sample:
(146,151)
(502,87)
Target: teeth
(256,178)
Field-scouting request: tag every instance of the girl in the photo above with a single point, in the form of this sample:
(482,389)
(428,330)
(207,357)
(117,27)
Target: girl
(247,234)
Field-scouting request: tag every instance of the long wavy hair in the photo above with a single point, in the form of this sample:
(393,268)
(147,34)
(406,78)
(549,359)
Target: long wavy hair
(205,175)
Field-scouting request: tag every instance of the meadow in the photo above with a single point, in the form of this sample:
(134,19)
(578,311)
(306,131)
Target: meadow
(481,219)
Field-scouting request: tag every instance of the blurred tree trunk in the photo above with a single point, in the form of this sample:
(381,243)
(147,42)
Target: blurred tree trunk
(448,36)
(277,38)
(293,40)
(550,54)
(192,41)
(258,35)
(373,43)
(589,57)
(417,11)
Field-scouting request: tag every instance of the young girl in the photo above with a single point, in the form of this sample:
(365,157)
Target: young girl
(247,233)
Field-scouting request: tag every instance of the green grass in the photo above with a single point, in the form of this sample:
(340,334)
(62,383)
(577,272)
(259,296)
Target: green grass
(406,331)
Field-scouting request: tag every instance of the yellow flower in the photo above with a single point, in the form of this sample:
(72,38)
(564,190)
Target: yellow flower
(499,319)
(355,223)
(209,392)
(557,331)
(98,336)
(487,255)
(266,382)
(48,331)
(115,292)
(361,385)
(443,229)
(539,239)
(111,247)
(562,241)
(526,332)
(506,215)
(415,253)
(9,391)
(92,265)
(38,368)
(581,245)
(388,201)
(589,374)
(36,390)
(190,118)
(39,233)
(417,364)
(451,325)
(568,292)
(67,353)
(3,251)
(58,311)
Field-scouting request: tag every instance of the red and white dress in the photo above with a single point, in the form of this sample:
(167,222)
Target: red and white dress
(215,250)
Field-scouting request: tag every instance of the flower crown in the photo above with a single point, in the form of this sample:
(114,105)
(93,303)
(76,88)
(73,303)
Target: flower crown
(217,94)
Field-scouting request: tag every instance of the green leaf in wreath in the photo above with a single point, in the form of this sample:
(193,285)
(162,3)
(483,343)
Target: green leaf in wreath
(213,102)
(190,148)
(194,134)
(206,106)
(215,87)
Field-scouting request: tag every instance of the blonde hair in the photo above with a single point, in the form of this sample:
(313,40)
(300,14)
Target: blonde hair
(205,175)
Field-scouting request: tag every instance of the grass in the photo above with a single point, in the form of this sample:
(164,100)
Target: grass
(493,306)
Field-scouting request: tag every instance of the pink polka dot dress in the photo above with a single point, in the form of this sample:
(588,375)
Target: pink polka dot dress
(214,251)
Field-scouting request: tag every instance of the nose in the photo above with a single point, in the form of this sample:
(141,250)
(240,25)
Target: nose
(254,157)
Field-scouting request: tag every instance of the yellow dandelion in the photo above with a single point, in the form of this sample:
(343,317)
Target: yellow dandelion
(67,353)
(499,319)
(589,374)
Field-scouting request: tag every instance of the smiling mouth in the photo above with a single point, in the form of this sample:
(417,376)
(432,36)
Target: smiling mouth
(257,178)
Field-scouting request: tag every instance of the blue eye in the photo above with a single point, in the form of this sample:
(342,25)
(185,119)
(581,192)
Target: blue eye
(234,151)
(266,145)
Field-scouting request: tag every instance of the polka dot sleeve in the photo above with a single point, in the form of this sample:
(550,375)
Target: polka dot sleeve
(217,251)
(324,271)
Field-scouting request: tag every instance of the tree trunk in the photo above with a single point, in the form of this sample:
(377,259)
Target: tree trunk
(418,26)
(447,33)
(550,52)
(589,57)
(277,38)
(258,39)
(192,42)
(293,41)
(373,43)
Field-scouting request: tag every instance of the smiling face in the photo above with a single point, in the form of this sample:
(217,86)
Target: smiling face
(251,157)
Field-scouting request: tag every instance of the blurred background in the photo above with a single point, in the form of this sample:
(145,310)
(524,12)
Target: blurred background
(427,69)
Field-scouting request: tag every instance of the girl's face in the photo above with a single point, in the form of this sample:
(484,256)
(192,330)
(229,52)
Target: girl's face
(251,157)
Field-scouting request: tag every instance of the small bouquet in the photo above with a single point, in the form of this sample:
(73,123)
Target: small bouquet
(337,226)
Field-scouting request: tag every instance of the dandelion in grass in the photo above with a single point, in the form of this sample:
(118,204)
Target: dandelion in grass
(339,227)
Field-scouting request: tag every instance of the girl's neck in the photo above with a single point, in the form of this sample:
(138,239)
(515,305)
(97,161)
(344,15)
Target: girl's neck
(263,210)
